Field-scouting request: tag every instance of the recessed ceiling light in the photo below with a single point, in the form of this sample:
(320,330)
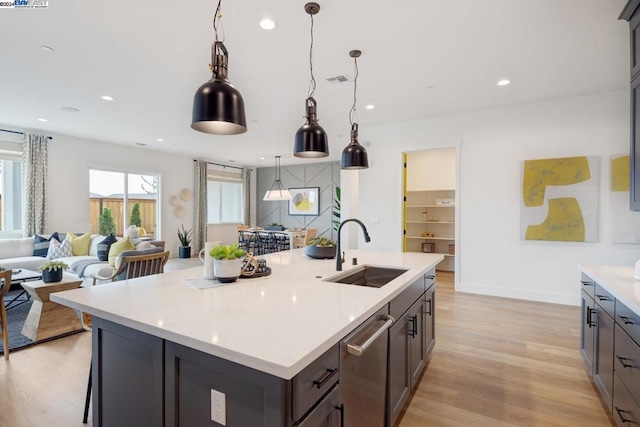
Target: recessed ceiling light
(107,98)
(504,82)
(261,158)
(267,24)
(160,140)
(370,107)
(70,109)
(47,48)
(43,120)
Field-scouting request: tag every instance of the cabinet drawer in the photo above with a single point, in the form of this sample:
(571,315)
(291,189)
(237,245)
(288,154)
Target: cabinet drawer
(314,381)
(588,285)
(625,409)
(402,302)
(627,361)
(429,279)
(628,320)
(604,299)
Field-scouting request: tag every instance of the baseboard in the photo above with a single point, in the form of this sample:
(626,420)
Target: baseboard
(520,294)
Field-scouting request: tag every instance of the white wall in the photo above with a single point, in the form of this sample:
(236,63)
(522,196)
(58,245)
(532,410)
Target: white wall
(70,159)
(431,170)
(494,143)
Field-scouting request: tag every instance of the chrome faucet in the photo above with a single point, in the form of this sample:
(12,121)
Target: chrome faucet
(340,256)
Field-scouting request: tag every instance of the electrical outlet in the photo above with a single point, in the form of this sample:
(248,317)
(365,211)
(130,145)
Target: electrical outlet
(218,407)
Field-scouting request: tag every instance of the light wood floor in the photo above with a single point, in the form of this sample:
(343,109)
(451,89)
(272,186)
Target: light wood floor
(497,362)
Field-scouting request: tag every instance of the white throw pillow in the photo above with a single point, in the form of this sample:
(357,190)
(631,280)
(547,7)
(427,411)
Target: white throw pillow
(59,250)
(132,232)
(143,245)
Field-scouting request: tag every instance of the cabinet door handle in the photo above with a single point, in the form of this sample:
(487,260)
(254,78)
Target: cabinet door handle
(325,377)
(414,325)
(585,283)
(340,408)
(602,297)
(428,312)
(621,413)
(431,277)
(622,361)
(588,322)
(626,320)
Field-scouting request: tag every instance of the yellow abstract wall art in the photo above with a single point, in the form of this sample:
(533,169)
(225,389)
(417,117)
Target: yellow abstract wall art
(560,199)
(625,224)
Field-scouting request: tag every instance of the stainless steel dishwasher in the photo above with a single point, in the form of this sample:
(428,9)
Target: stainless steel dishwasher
(363,371)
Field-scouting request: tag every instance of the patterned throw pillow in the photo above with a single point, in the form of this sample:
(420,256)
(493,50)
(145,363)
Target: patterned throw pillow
(41,244)
(59,250)
(105,245)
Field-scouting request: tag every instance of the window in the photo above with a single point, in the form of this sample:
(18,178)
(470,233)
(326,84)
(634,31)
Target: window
(225,201)
(10,195)
(124,192)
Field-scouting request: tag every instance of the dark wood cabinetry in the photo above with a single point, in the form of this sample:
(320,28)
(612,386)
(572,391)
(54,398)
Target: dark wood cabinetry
(610,349)
(631,13)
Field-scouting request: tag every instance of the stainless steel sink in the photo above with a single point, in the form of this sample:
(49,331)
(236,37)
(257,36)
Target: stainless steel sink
(368,275)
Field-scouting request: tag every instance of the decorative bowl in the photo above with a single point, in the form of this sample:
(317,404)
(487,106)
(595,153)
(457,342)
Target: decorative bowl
(320,252)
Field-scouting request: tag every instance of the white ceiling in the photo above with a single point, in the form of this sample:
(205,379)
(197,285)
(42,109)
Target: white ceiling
(151,56)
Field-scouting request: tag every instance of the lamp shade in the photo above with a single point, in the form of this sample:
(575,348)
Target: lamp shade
(311,141)
(218,108)
(277,194)
(354,156)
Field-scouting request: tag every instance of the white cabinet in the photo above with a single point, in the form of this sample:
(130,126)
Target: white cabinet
(430,224)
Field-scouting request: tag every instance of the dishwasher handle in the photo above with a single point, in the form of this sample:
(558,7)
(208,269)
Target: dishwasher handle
(358,350)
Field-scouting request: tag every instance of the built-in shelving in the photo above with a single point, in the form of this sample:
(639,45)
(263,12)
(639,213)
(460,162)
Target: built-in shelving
(431,211)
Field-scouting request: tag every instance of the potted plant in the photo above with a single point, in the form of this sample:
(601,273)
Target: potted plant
(227,262)
(184,251)
(320,248)
(274,226)
(52,271)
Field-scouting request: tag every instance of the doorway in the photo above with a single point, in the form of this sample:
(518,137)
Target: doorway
(431,206)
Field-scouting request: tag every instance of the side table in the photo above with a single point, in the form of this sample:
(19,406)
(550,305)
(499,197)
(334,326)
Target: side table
(48,319)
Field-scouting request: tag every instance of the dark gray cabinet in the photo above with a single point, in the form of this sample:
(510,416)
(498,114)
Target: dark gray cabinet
(128,377)
(411,339)
(631,13)
(588,331)
(603,355)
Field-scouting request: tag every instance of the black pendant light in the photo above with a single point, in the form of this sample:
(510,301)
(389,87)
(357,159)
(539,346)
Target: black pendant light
(218,107)
(311,140)
(354,156)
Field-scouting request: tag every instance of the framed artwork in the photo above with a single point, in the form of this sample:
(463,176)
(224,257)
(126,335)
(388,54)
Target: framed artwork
(304,201)
(560,199)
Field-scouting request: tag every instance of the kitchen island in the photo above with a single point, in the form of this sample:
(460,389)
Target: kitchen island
(261,334)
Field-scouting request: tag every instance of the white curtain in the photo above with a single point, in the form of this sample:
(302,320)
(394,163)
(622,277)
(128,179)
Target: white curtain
(34,180)
(246,193)
(200,205)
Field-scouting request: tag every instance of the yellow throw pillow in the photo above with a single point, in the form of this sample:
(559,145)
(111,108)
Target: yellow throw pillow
(79,244)
(118,247)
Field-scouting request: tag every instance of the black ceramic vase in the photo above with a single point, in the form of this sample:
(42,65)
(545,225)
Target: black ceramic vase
(184,252)
(49,276)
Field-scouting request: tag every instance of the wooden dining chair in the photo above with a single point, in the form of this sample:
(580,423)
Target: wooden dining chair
(5,276)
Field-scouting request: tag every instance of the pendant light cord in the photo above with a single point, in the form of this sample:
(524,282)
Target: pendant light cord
(217,20)
(353,113)
(312,83)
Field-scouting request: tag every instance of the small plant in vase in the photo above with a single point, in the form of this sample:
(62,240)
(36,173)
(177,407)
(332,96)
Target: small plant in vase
(184,251)
(52,271)
(321,248)
(227,262)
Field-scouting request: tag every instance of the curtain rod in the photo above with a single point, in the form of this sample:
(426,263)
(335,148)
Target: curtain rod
(220,164)
(19,133)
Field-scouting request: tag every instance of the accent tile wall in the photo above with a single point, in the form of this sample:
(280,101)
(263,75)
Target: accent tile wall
(326,176)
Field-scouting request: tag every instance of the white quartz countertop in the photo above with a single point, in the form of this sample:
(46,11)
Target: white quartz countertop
(618,280)
(276,324)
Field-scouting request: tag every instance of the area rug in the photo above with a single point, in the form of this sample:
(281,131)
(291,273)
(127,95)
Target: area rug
(16,316)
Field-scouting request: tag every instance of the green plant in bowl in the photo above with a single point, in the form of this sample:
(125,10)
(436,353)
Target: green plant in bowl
(320,248)
(227,252)
(53,266)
